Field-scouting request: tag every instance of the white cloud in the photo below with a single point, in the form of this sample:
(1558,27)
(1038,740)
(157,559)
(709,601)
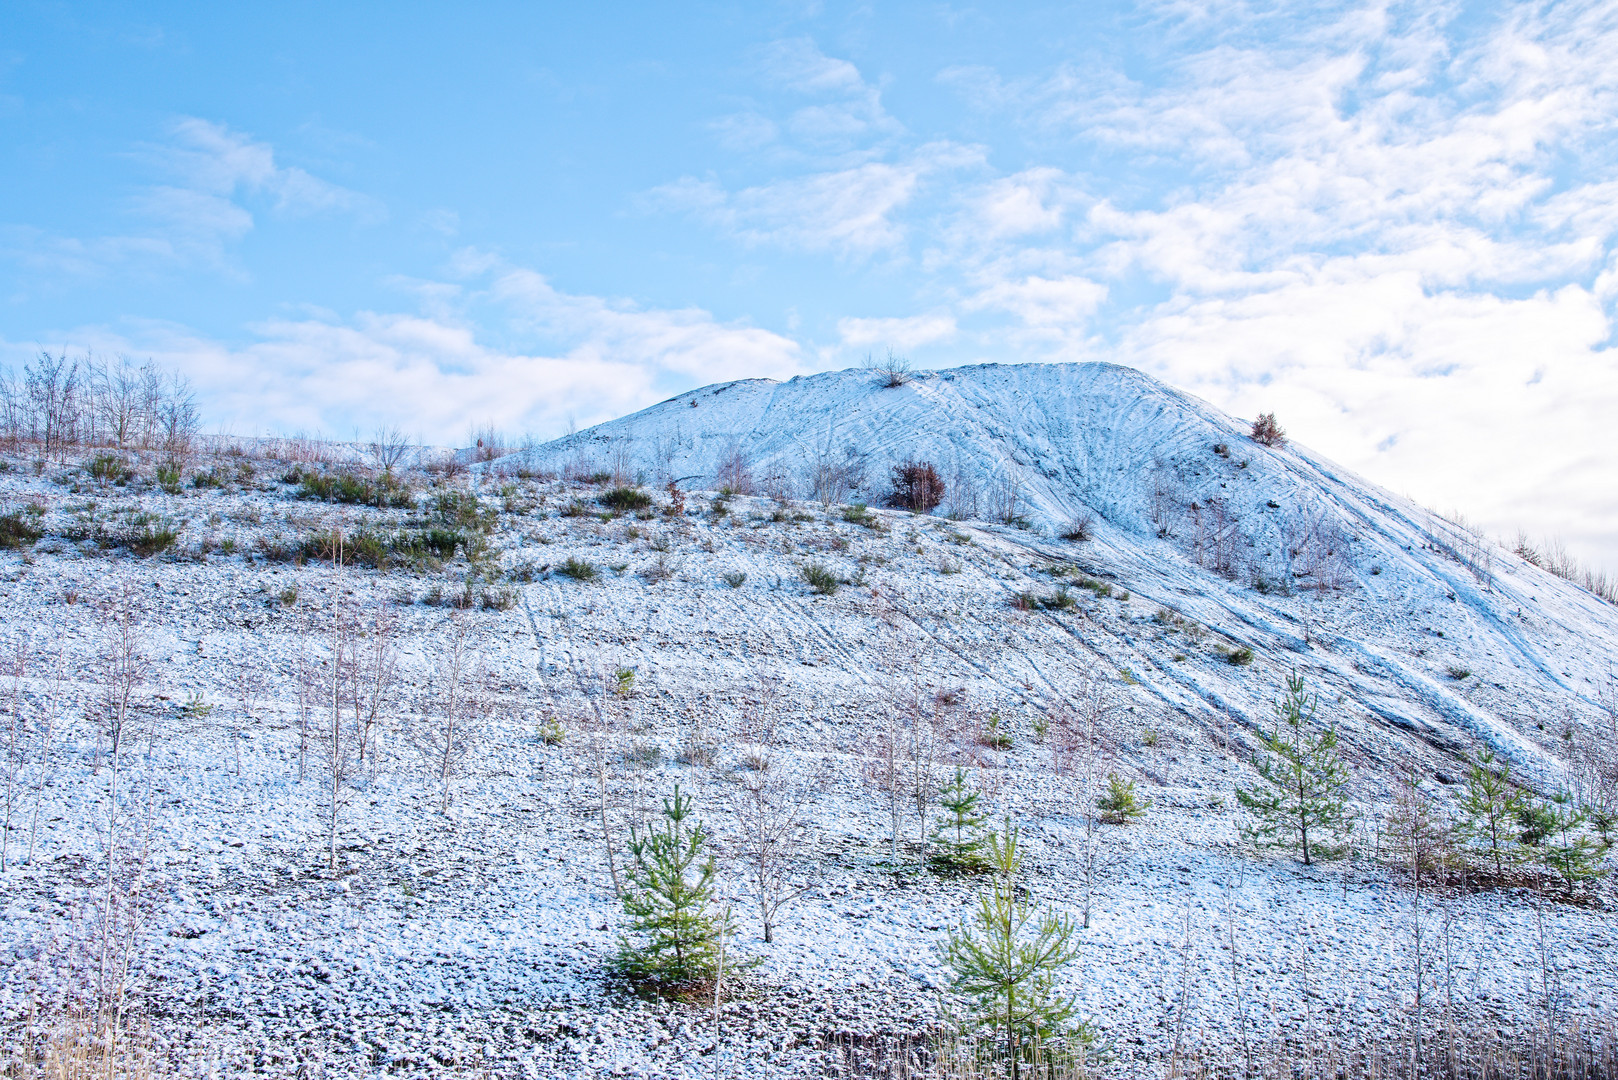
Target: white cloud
(848,212)
(196,218)
(434,374)
(910,332)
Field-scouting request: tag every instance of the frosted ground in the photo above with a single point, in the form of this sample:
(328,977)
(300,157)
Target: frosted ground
(476,939)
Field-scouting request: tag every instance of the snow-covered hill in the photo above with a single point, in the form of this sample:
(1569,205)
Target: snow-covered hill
(1278,549)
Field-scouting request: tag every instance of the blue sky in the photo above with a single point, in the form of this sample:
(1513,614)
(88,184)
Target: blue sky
(1394,225)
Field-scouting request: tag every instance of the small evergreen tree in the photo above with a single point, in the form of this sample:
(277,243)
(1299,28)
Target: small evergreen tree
(1489,807)
(958,840)
(1005,963)
(1555,829)
(1299,803)
(673,935)
(1118,804)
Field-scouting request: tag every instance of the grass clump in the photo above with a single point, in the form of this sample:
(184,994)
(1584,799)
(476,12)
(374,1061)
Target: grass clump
(624,500)
(860,514)
(383,492)
(820,578)
(19,528)
(580,570)
(735,578)
(149,535)
(1239,657)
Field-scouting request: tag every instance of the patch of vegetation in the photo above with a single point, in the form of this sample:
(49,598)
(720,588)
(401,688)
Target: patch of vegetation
(148,535)
(168,478)
(625,500)
(578,569)
(735,579)
(1457,672)
(1119,804)
(383,492)
(1240,657)
(110,469)
(462,510)
(820,578)
(860,514)
(20,528)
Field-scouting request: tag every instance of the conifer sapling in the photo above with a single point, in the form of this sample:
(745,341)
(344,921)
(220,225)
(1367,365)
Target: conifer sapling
(1299,801)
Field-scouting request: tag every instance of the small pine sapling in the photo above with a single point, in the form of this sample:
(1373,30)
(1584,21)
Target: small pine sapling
(1488,808)
(959,840)
(1556,830)
(1299,802)
(1005,962)
(673,934)
(1119,805)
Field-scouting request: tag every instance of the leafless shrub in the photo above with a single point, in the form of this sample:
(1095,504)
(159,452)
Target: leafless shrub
(1316,548)
(962,494)
(1266,432)
(777,485)
(451,712)
(1005,494)
(832,478)
(488,443)
(389,447)
(623,465)
(370,674)
(1555,557)
(734,472)
(1081,527)
(892,369)
(772,813)
(1456,538)
(1215,540)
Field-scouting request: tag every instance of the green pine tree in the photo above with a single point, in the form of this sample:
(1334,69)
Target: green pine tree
(1119,804)
(673,935)
(1005,962)
(1555,831)
(958,840)
(1489,807)
(1299,803)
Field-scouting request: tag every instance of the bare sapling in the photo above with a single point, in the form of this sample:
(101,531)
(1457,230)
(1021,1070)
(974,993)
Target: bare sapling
(42,773)
(452,711)
(335,745)
(123,667)
(248,683)
(771,810)
(16,669)
(885,770)
(372,674)
(926,730)
(600,736)
(760,717)
(306,691)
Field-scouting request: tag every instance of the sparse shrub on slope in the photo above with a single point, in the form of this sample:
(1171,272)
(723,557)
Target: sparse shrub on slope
(820,578)
(625,500)
(1267,432)
(916,487)
(19,528)
(383,492)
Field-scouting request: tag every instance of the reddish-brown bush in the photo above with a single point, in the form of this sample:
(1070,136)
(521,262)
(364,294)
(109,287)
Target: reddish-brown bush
(1267,432)
(916,487)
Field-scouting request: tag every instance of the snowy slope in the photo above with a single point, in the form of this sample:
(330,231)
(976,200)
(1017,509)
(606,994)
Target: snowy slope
(1415,596)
